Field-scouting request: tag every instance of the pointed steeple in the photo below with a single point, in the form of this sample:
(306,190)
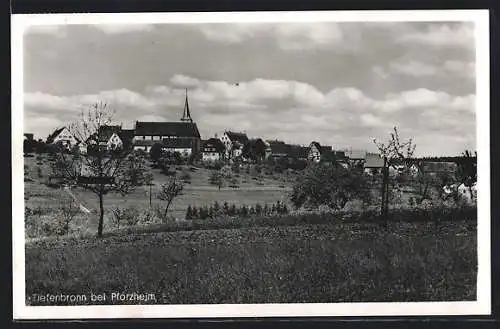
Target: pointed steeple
(186,116)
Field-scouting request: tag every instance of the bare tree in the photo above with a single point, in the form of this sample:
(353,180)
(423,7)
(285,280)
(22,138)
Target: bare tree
(394,152)
(169,191)
(96,168)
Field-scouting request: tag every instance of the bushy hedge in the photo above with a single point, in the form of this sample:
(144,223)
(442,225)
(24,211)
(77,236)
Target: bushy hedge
(216,210)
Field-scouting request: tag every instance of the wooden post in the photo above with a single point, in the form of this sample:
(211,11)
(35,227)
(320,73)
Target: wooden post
(385,190)
(150,198)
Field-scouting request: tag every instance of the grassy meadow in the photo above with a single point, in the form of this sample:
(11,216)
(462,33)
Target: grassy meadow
(333,261)
(350,256)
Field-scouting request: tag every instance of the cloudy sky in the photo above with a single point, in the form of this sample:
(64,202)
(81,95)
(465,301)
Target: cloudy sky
(340,84)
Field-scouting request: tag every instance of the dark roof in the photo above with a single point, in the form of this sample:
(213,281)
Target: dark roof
(127,135)
(279,149)
(429,166)
(56,132)
(274,141)
(373,161)
(178,129)
(28,136)
(146,142)
(105,132)
(241,138)
(356,154)
(214,143)
(298,151)
(177,143)
(340,154)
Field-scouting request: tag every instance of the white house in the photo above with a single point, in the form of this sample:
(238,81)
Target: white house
(234,143)
(213,150)
(109,137)
(316,150)
(64,137)
(182,146)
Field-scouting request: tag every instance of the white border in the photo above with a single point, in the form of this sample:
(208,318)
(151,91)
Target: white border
(480,307)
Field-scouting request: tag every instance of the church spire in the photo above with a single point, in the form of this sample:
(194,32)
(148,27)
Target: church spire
(186,116)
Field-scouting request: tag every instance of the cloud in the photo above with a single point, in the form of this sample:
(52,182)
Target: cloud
(123,28)
(289,36)
(370,120)
(58,31)
(442,35)
(291,110)
(413,68)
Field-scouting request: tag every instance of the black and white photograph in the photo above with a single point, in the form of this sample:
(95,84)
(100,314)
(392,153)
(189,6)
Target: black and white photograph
(251,164)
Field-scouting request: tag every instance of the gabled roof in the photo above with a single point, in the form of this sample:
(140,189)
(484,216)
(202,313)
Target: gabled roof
(105,132)
(56,133)
(321,149)
(126,135)
(177,143)
(280,149)
(178,129)
(373,161)
(238,137)
(214,143)
(356,154)
(298,151)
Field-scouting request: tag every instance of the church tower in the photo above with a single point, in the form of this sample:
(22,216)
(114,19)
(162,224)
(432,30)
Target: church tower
(186,116)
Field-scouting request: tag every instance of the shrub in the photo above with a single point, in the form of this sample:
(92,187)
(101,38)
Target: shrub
(258,209)
(194,213)
(147,217)
(327,184)
(185,176)
(125,216)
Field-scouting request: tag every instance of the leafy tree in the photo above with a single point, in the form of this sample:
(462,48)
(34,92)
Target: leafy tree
(244,211)
(99,171)
(156,152)
(324,184)
(168,192)
(232,210)
(265,210)
(216,179)
(225,208)
(195,214)
(258,209)
(189,213)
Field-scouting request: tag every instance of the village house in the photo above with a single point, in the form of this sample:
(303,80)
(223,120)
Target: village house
(28,136)
(356,157)
(234,143)
(146,134)
(373,164)
(299,152)
(254,150)
(109,138)
(212,150)
(62,136)
(276,149)
(435,168)
(316,150)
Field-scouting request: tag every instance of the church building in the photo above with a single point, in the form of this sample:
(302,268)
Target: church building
(179,136)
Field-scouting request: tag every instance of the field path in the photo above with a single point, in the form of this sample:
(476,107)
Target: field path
(79,202)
